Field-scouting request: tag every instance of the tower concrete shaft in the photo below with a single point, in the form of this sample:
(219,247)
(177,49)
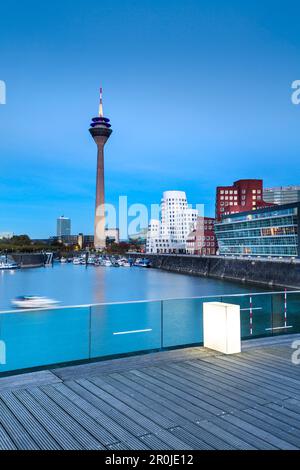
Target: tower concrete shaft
(100,130)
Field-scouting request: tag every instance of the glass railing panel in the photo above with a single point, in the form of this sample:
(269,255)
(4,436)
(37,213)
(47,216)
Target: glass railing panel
(183,321)
(256,314)
(243,302)
(286,313)
(125,328)
(43,337)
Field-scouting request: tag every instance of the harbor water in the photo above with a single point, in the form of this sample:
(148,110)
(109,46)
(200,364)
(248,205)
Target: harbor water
(81,285)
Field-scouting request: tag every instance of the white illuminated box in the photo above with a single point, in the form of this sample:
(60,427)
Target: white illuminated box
(222,327)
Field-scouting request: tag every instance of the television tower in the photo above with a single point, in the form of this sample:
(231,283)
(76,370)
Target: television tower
(100,130)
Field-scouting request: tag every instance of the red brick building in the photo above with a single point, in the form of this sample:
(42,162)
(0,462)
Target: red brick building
(202,240)
(242,196)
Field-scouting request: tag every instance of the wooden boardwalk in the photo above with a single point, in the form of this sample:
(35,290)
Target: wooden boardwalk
(184,399)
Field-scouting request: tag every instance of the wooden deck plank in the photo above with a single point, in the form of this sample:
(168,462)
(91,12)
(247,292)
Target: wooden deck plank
(259,432)
(38,433)
(197,389)
(171,401)
(129,418)
(138,393)
(236,440)
(127,363)
(134,399)
(89,439)
(232,384)
(190,402)
(259,368)
(90,422)
(5,441)
(184,399)
(273,428)
(64,439)
(220,383)
(120,434)
(266,387)
(25,381)
(17,433)
(119,383)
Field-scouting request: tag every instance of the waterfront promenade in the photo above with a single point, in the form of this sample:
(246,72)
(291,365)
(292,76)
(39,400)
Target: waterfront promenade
(183,399)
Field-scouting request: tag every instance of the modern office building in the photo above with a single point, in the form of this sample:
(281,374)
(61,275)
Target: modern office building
(63,226)
(243,195)
(202,240)
(268,232)
(177,220)
(282,195)
(100,130)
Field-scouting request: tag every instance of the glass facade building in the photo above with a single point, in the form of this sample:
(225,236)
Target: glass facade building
(282,195)
(271,231)
(63,226)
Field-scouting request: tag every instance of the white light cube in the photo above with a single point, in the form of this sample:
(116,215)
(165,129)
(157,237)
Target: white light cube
(222,327)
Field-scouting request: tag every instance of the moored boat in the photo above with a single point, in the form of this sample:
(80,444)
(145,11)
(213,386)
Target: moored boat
(143,263)
(9,265)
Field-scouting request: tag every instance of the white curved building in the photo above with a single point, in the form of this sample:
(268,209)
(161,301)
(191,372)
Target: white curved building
(177,221)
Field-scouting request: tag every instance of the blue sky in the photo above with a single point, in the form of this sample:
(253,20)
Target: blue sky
(198,93)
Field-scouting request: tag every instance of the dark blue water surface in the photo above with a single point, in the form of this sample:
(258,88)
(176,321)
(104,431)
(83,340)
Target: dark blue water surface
(77,285)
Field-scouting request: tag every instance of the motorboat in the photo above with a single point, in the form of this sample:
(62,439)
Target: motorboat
(9,265)
(124,263)
(76,261)
(143,263)
(33,301)
(107,263)
(63,259)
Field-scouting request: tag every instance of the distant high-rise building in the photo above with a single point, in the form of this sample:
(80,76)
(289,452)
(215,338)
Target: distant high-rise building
(63,226)
(100,130)
(282,194)
(243,195)
(177,220)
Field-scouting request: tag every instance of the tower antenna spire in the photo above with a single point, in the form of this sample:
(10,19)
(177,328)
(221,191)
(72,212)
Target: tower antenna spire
(101,104)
